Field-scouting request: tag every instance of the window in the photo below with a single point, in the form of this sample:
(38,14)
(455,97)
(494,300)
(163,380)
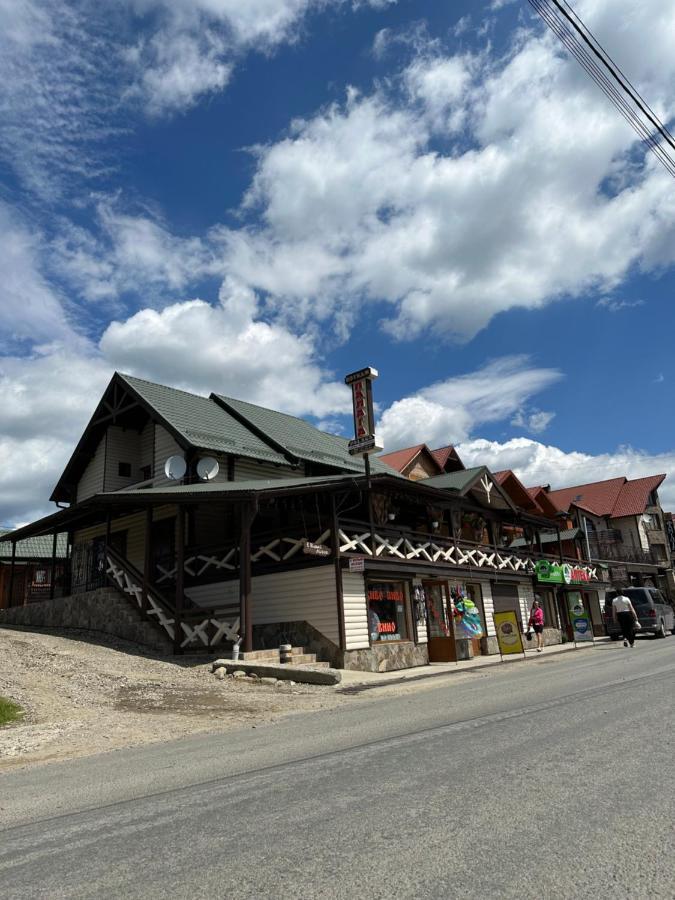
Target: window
(386,611)
(124,469)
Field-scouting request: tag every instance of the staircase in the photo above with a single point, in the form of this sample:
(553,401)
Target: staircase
(298,658)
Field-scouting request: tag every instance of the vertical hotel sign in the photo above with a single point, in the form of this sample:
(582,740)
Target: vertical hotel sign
(364,441)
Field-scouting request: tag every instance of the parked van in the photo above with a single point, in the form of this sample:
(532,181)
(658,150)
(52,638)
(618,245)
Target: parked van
(654,612)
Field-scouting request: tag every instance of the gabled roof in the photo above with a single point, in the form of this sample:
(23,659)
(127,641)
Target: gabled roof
(465,480)
(34,548)
(402,459)
(448,458)
(515,488)
(540,495)
(296,437)
(615,497)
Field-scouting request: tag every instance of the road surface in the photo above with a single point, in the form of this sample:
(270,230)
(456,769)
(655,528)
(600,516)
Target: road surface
(551,778)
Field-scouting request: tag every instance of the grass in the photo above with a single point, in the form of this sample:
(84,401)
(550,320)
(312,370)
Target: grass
(9,711)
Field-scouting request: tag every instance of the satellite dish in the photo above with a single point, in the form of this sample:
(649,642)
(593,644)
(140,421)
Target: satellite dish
(207,468)
(175,467)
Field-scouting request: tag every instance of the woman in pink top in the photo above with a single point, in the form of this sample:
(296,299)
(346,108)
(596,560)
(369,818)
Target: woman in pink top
(537,622)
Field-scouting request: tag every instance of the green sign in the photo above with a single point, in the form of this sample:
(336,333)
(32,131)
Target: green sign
(560,573)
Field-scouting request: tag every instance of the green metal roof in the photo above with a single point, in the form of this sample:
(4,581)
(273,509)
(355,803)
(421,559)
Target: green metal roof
(203,423)
(232,487)
(569,535)
(35,547)
(301,439)
(454,481)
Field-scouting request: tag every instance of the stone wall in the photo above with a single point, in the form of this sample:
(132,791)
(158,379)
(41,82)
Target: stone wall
(103,611)
(384,657)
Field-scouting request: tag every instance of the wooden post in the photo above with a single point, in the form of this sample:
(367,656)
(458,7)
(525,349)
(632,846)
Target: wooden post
(52,577)
(180,577)
(11,575)
(245,605)
(369,487)
(338,576)
(147,561)
(560,546)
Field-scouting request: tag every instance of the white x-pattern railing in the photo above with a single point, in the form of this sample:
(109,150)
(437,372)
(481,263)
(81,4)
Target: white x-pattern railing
(429,550)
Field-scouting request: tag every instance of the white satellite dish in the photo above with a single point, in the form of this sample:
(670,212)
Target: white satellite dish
(207,468)
(175,467)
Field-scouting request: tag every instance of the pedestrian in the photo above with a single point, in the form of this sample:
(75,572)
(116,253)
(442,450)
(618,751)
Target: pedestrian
(537,623)
(624,613)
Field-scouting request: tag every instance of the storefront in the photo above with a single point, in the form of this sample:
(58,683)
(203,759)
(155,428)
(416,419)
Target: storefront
(456,621)
(388,612)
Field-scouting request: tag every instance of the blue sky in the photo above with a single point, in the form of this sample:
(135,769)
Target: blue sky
(258,198)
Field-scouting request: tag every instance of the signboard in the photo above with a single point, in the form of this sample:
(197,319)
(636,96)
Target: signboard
(315,549)
(619,574)
(579,618)
(357,564)
(560,573)
(361,383)
(508,633)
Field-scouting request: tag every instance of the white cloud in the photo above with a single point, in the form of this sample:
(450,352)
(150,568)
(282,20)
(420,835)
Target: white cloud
(535,421)
(481,185)
(612,305)
(536,463)
(450,411)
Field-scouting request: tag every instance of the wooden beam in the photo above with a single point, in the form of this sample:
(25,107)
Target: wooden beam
(338,576)
(180,579)
(245,599)
(52,576)
(147,561)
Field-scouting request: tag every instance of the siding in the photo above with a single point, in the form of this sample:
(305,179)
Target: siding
(249,469)
(488,607)
(124,445)
(165,446)
(92,479)
(134,525)
(304,595)
(356,614)
(526,599)
(147,447)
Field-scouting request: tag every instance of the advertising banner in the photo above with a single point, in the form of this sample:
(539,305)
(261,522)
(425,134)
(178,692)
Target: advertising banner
(579,617)
(560,573)
(508,633)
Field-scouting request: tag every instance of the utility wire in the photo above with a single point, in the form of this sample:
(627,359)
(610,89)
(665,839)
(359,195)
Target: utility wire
(571,31)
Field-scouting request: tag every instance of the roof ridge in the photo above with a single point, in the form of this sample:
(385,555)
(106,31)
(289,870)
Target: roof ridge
(166,387)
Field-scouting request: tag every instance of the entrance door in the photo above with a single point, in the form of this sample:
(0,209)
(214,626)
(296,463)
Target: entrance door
(439,622)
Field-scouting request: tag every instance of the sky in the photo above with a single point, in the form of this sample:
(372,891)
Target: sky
(258,198)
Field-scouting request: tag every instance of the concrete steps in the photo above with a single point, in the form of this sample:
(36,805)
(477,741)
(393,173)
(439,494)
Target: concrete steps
(298,657)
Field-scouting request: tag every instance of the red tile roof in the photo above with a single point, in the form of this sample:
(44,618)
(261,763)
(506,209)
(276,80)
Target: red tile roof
(399,459)
(443,454)
(615,497)
(516,490)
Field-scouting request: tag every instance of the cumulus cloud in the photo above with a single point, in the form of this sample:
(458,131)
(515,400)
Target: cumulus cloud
(536,464)
(467,188)
(449,411)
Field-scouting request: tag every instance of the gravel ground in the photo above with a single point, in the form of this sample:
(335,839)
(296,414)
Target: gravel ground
(82,696)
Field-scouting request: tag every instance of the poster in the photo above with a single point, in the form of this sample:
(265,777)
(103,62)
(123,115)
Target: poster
(579,617)
(508,633)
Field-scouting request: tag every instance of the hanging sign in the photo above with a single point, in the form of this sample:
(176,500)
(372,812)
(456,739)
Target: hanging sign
(357,564)
(560,573)
(579,618)
(508,632)
(364,441)
(315,549)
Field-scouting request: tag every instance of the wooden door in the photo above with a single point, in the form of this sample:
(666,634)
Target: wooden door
(441,635)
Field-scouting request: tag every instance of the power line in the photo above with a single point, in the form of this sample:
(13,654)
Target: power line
(597,63)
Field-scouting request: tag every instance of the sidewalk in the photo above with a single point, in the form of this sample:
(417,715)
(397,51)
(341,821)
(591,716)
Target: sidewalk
(363,681)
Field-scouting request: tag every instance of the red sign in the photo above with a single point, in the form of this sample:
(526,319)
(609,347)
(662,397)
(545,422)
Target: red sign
(578,575)
(361,383)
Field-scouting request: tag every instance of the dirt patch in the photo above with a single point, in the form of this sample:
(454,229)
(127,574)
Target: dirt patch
(84,695)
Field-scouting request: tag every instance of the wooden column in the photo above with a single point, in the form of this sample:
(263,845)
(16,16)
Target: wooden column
(338,576)
(11,575)
(52,577)
(147,561)
(245,603)
(180,578)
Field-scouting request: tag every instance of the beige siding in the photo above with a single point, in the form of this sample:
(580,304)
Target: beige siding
(526,599)
(249,469)
(147,443)
(124,446)
(488,607)
(135,528)
(356,613)
(92,480)
(304,595)
(165,446)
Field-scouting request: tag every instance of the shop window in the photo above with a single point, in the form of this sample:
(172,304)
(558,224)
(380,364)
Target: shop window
(386,611)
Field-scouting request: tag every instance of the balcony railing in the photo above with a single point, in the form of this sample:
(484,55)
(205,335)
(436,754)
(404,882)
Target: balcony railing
(619,552)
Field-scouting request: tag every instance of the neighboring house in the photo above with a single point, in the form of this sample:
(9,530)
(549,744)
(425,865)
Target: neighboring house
(35,571)
(623,525)
(420,462)
(220,522)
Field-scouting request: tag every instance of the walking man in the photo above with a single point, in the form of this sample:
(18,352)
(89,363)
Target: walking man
(625,615)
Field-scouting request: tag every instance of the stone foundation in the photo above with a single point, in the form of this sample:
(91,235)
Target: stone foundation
(102,610)
(384,657)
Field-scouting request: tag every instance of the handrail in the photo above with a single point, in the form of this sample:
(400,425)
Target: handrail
(132,570)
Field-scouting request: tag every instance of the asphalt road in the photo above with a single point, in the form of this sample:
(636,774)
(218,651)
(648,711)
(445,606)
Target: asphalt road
(551,778)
